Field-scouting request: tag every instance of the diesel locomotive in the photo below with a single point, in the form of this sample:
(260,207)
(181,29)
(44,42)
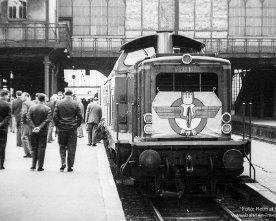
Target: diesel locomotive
(167,107)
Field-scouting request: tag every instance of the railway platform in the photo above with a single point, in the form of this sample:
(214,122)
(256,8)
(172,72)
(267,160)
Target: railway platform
(264,161)
(87,193)
(260,128)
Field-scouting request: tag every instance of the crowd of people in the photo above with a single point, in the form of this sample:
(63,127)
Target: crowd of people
(34,122)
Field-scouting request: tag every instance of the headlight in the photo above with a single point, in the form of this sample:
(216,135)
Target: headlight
(187,59)
(226,118)
(148,118)
(148,129)
(149,160)
(232,159)
(226,128)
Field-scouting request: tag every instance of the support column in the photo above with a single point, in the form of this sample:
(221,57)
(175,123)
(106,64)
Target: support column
(54,80)
(176,16)
(274,100)
(261,99)
(47,64)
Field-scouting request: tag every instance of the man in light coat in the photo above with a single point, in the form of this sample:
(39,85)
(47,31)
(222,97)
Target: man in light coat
(92,118)
(25,128)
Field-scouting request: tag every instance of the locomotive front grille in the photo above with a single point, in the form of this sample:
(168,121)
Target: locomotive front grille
(186,82)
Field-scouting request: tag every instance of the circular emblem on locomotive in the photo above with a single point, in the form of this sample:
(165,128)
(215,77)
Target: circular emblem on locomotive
(187,124)
(187,115)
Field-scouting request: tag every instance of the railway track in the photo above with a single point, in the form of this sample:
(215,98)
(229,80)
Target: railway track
(230,204)
(221,207)
(192,209)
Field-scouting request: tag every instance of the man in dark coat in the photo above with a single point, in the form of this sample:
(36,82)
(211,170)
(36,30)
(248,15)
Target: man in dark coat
(5,116)
(16,108)
(92,118)
(38,118)
(67,118)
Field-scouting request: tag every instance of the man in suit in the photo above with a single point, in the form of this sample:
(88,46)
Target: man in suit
(92,118)
(80,130)
(51,104)
(38,117)
(25,128)
(16,108)
(5,116)
(67,118)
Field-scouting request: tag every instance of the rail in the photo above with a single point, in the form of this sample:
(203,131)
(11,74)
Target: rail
(34,32)
(84,45)
(51,32)
(257,45)
(230,46)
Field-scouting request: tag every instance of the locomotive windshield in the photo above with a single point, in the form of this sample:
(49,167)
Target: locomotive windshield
(187,82)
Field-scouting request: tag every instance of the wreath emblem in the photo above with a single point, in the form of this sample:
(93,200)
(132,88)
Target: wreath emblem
(187,115)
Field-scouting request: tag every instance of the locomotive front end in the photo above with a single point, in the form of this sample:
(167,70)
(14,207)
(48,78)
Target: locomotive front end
(170,116)
(183,126)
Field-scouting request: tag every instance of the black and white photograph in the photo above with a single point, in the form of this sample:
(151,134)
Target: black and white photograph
(137,110)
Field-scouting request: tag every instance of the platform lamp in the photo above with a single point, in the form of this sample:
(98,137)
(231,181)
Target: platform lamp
(73,77)
(11,84)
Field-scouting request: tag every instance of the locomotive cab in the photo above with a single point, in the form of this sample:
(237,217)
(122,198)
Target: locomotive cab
(176,127)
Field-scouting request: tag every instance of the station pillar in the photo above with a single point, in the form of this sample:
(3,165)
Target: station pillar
(274,100)
(53,85)
(47,64)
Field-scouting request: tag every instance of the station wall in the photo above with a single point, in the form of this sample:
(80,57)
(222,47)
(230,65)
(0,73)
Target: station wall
(28,11)
(197,18)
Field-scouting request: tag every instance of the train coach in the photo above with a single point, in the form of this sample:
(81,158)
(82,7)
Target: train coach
(167,107)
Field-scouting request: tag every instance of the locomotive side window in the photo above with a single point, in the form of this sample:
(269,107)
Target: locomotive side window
(186,82)
(139,55)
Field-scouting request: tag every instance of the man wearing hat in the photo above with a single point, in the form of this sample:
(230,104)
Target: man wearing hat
(92,118)
(67,118)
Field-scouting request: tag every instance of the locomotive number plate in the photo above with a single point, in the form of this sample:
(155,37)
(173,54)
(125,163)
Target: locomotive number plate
(188,69)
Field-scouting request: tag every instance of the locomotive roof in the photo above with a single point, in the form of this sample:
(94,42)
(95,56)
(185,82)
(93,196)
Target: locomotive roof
(196,57)
(152,41)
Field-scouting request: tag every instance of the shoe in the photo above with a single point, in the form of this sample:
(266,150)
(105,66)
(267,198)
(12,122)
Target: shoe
(27,156)
(40,169)
(50,141)
(94,145)
(2,168)
(69,169)
(32,168)
(62,168)
(89,144)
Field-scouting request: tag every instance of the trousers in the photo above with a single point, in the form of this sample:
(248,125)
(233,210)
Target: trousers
(91,132)
(18,133)
(67,141)
(26,139)
(38,142)
(3,143)
(50,131)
